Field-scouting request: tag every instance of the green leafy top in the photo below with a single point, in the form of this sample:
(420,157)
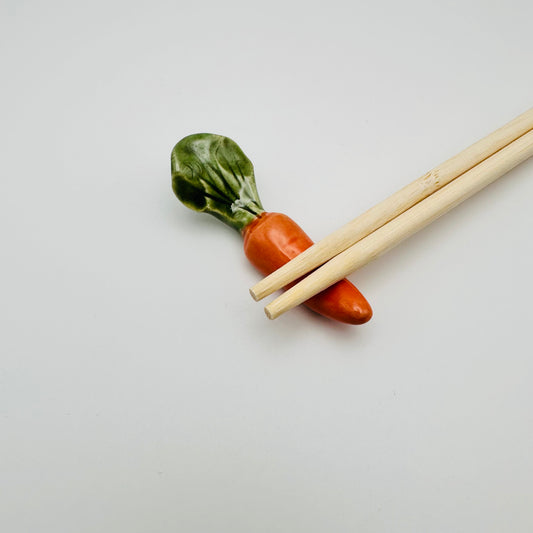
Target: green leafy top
(211,173)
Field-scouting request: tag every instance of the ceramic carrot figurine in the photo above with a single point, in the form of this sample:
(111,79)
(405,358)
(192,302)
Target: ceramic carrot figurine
(210,173)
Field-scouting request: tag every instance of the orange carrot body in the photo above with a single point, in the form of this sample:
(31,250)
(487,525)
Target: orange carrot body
(273,239)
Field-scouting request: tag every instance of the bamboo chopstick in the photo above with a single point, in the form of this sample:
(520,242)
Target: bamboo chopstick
(396,204)
(405,224)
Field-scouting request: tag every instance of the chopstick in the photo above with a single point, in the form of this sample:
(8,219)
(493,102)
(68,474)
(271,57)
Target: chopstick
(393,206)
(405,224)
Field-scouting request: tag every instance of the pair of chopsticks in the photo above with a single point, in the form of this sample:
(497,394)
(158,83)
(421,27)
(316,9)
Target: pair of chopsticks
(401,215)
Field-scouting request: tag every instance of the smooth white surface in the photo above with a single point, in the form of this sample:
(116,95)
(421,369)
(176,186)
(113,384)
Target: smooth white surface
(141,388)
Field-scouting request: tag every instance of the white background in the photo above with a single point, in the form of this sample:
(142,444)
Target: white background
(141,389)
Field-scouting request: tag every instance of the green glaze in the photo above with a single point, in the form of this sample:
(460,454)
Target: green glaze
(210,173)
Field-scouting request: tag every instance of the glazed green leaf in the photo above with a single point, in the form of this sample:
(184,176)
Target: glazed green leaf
(210,173)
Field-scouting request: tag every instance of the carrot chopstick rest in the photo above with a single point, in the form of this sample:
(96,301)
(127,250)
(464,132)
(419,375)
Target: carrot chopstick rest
(211,174)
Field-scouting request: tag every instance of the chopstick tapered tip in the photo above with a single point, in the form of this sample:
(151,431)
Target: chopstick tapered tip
(262,289)
(254,295)
(269,314)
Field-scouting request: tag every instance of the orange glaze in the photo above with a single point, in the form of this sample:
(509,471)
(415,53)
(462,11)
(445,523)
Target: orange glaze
(273,239)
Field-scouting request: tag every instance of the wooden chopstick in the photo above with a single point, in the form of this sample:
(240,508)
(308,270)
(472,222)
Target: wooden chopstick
(405,224)
(393,206)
